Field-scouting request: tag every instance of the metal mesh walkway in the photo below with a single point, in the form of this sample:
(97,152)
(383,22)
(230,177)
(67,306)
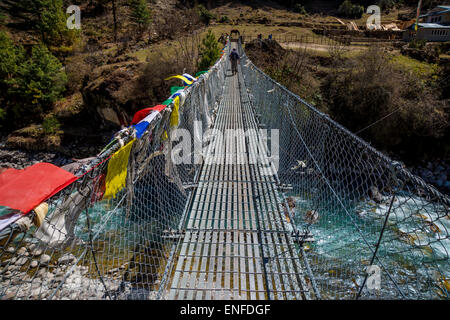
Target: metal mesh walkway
(236,244)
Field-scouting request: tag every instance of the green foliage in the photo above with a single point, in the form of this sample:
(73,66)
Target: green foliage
(205,15)
(349,10)
(50,125)
(298,8)
(52,21)
(224,19)
(417,44)
(140,14)
(10,57)
(3,17)
(41,79)
(48,17)
(29,85)
(372,93)
(2,116)
(386,4)
(209,51)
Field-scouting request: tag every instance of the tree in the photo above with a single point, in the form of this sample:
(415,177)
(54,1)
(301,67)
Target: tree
(29,87)
(41,79)
(46,16)
(52,21)
(10,57)
(140,14)
(205,15)
(349,10)
(209,51)
(115,19)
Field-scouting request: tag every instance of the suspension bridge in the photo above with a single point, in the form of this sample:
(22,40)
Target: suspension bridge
(308,220)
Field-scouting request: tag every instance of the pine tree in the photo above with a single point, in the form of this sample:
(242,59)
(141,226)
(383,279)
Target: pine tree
(29,86)
(140,14)
(10,58)
(41,79)
(53,21)
(209,51)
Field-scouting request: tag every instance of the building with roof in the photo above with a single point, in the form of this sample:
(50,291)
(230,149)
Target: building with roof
(432,26)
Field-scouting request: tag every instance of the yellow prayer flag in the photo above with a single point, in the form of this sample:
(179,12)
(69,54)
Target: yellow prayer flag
(186,80)
(117,171)
(175,115)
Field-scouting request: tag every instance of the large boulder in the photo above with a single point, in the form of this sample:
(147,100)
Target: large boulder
(111,97)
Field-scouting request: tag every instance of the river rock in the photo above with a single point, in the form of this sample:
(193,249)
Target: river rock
(36,251)
(41,273)
(49,276)
(73,296)
(45,259)
(21,261)
(311,216)
(35,293)
(22,251)
(12,268)
(66,259)
(9,295)
(375,195)
(11,249)
(34,264)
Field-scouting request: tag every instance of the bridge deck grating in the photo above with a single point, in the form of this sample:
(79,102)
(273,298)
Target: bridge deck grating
(236,244)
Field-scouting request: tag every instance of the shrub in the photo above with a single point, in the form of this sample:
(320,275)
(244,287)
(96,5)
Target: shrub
(386,4)
(50,125)
(298,8)
(360,94)
(205,15)
(224,19)
(417,44)
(349,10)
(46,16)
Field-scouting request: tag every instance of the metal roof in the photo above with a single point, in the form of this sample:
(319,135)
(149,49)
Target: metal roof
(431,26)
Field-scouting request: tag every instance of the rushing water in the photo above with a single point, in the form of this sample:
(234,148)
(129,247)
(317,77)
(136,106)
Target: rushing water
(413,255)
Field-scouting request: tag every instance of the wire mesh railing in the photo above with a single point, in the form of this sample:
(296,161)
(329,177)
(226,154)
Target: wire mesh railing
(93,247)
(379,231)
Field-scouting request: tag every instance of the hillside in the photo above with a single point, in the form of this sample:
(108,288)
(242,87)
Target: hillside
(116,64)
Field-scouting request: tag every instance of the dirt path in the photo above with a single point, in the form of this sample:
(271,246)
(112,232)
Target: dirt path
(316,47)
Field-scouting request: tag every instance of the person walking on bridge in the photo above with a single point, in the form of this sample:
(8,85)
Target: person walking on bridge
(234,58)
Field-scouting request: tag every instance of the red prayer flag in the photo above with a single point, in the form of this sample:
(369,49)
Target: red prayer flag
(141,114)
(26,189)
